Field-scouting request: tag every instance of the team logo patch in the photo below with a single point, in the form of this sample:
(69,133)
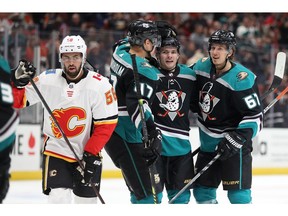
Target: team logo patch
(171,100)
(207,101)
(145,64)
(241,76)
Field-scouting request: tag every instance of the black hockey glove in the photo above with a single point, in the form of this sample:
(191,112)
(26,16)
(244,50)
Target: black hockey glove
(154,146)
(166,29)
(21,75)
(153,62)
(230,145)
(92,165)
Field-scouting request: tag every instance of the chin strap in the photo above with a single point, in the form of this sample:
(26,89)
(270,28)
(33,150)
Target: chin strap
(224,64)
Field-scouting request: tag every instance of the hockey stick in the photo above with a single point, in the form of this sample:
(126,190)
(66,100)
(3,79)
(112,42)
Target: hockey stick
(282,93)
(277,79)
(152,167)
(278,74)
(195,178)
(64,135)
(88,66)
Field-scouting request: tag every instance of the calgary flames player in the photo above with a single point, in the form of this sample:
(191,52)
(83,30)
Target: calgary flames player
(85,106)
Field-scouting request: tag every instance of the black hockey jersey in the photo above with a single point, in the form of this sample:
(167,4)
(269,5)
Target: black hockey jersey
(129,125)
(175,93)
(8,116)
(228,102)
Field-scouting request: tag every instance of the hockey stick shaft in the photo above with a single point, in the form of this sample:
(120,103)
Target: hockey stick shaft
(195,178)
(63,134)
(152,168)
(282,93)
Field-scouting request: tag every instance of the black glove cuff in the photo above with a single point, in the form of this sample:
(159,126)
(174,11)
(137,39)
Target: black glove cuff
(235,139)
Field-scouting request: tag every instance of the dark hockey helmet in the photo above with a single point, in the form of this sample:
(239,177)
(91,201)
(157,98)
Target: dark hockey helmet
(140,30)
(223,37)
(170,41)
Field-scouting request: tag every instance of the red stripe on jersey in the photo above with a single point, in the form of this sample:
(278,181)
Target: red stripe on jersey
(100,136)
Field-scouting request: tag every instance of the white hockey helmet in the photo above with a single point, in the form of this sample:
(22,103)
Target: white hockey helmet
(73,44)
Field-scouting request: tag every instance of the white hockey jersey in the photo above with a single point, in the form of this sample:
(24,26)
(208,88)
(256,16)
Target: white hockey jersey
(86,111)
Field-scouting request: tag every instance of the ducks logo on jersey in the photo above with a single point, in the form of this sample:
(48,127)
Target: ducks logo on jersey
(171,100)
(207,101)
(241,76)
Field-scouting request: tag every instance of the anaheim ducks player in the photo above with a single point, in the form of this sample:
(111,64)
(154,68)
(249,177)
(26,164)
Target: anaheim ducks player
(8,124)
(85,105)
(175,93)
(230,116)
(126,147)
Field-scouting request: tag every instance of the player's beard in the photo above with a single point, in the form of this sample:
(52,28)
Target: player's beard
(73,75)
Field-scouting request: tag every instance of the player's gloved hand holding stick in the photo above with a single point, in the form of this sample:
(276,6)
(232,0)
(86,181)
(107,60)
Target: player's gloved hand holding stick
(153,146)
(22,73)
(230,145)
(92,165)
(21,76)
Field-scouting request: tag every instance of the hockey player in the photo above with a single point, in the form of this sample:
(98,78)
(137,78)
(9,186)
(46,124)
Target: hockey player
(230,116)
(85,106)
(174,95)
(126,147)
(8,123)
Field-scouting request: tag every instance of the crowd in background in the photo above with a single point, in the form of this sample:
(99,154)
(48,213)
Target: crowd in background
(259,37)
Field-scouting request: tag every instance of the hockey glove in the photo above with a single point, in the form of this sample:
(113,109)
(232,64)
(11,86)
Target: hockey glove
(153,62)
(166,29)
(230,145)
(21,75)
(154,147)
(92,165)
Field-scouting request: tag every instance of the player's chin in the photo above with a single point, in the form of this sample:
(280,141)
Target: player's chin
(72,74)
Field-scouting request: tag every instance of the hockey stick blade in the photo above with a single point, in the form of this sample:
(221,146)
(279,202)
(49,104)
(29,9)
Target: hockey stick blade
(279,73)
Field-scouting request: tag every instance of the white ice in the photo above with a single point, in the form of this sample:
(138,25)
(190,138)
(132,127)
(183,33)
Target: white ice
(270,194)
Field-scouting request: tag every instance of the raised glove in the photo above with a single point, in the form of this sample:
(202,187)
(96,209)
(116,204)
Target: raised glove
(22,74)
(166,29)
(153,147)
(230,145)
(92,165)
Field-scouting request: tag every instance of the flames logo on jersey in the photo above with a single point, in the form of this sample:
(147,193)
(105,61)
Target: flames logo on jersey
(207,101)
(171,101)
(68,120)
